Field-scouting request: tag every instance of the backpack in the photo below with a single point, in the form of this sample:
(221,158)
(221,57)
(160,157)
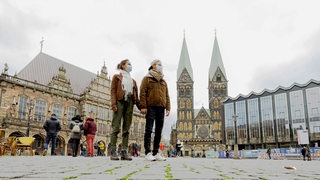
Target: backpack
(76,128)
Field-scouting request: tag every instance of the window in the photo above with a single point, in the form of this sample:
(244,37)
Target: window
(57,109)
(71,112)
(40,110)
(266,116)
(102,113)
(22,108)
(313,107)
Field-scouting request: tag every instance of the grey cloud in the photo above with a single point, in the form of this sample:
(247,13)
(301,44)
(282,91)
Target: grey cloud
(16,26)
(16,30)
(300,70)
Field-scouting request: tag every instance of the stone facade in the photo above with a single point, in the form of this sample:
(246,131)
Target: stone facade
(23,101)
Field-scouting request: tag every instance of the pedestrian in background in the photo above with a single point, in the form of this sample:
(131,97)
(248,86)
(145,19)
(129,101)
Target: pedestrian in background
(52,127)
(154,103)
(90,129)
(101,148)
(227,153)
(76,126)
(304,153)
(124,94)
(308,153)
(83,148)
(269,153)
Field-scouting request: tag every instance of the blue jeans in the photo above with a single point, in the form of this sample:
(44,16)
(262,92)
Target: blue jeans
(155,115)
(53,139)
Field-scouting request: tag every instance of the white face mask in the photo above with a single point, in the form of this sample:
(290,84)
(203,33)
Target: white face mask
(129,68)
(159,68)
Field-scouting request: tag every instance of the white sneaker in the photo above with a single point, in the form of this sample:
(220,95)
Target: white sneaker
(149,157)
(159,157)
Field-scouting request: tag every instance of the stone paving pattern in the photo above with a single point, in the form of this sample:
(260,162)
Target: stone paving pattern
(64,167)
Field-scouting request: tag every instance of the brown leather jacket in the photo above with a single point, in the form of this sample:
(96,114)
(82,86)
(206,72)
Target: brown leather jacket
(154,93)
(117,93)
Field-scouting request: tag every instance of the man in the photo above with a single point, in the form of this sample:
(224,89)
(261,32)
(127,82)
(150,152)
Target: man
(76,126)
(304,152)
(154,101)
(52,127)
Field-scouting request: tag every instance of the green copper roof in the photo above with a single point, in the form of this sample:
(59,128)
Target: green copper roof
(184,61)
(216,61)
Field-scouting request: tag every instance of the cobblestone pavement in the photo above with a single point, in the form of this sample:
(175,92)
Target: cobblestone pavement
(63,167)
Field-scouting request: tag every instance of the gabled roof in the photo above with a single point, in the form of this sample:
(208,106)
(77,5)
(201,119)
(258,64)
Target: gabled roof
(184,61)
(43,67)
(197,111)
(267,91)
(216,61)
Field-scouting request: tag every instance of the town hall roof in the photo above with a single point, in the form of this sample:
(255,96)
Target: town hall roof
(43,67)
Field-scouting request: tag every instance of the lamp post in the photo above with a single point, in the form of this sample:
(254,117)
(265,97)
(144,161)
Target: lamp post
(30,105)
(235,152)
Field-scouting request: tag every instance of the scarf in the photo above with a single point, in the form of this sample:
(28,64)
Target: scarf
(127,83)
(156,74)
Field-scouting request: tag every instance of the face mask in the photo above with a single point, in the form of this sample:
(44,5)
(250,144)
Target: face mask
(129,68)
(159,68)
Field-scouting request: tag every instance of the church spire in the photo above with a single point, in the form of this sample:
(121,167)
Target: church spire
(216,60)
(184,61)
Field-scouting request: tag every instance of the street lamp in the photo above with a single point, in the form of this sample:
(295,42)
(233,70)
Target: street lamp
(30,105)
(235,153)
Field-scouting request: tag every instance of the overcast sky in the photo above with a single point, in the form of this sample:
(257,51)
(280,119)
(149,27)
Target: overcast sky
(263,44)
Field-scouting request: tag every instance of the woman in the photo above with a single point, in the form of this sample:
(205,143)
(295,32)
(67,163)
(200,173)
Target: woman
(124,94)
(90,129)
(75,134)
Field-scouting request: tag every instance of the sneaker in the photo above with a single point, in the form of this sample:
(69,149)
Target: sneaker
(44,152)
(158,157)
(149,157)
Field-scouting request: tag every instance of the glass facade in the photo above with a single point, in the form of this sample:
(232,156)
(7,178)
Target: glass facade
(313,109)
(282,117)
(267,119)
(241,121)
(229,121)
(273,117)
(297,111)
(253,119)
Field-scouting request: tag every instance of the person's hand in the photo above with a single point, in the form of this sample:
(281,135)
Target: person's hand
(144,111)
(167,113)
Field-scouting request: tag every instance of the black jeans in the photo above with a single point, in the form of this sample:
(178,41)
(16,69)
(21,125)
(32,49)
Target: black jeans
(53,139)
(75,146)
(154,114)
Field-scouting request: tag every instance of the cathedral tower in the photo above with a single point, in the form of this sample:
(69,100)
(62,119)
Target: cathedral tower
(218,91)
(185,111)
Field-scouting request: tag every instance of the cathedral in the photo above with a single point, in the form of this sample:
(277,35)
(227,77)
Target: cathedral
(200,129)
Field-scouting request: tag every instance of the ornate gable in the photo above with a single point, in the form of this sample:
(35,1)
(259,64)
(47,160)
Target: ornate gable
(99,87)
(60,81)
(202,115)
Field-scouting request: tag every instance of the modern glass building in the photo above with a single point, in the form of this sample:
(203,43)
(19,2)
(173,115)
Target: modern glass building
(271,118)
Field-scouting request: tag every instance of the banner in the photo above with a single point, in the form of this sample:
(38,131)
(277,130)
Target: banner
(303,137)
